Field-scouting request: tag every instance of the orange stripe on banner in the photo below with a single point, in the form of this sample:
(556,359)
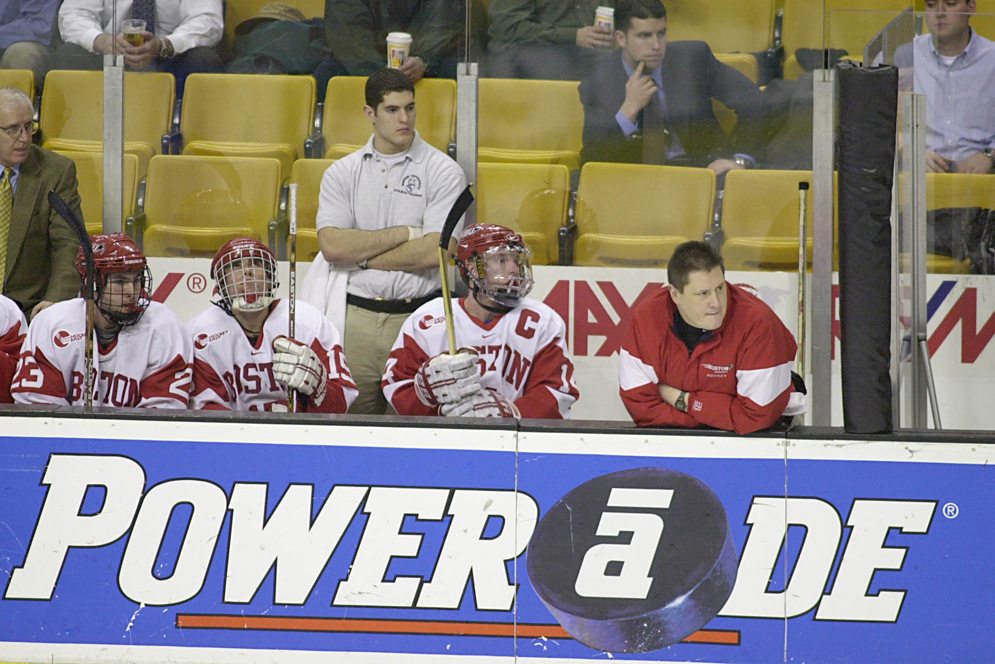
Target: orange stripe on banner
(433,627)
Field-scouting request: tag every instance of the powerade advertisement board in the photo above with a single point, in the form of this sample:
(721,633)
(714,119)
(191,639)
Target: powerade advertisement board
(126,540)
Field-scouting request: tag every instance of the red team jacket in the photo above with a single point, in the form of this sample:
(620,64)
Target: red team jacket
(523,356)
(738,380)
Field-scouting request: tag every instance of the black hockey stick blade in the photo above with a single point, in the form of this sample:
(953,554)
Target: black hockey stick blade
(79,228)
(461,205)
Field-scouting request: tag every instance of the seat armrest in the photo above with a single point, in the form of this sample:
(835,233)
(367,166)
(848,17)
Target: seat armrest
(134,227)
(172,142)
(567,234)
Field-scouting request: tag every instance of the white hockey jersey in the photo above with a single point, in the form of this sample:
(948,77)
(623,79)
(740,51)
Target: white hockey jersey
(13,327)
(146,366)
(523,356)
(230,373)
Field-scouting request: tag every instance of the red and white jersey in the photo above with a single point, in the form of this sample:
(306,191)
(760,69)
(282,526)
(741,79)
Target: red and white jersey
(146,366)
(523,356)
(13,327)
(230,373)
(738,379)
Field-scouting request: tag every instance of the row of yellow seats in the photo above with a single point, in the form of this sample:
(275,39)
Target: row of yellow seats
(191,205)
(520,121)
(634,215)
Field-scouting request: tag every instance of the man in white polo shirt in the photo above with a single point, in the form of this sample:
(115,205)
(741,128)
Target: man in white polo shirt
(381,209)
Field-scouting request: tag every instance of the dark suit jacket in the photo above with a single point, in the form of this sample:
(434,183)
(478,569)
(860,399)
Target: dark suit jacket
(41,250)
(691,78)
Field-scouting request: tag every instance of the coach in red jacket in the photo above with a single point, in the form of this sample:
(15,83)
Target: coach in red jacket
(706,353)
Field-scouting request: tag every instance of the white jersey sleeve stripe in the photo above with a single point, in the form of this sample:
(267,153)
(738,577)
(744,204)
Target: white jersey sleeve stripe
(761,386)
(633,372)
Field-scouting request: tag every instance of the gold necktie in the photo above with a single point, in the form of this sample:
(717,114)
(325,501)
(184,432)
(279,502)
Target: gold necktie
(6,210)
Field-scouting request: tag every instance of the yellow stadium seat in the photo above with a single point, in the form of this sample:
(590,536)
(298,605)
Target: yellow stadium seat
(72,107)
(90,174)
(760,220)
(531,199)
(956,190)
(239,115)
(728,26)
(307,175)
(346,129)
(193,205)
(530,122)
(22,79)
(631,215)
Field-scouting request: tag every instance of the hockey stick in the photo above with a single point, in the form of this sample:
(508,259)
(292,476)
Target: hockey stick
(89,288)
(459,207)
(292,394)
(802,272)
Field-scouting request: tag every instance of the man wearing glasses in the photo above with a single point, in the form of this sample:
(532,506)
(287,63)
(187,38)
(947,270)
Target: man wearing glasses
(37,248)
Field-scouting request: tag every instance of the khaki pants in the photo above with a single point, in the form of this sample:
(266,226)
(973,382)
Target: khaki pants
(369,336)
(27,55)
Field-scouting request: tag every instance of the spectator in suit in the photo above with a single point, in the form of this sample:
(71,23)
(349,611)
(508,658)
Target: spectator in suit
(180,36)
(651,101)
(356,31)
(37,247)
(547,39)
(26,31)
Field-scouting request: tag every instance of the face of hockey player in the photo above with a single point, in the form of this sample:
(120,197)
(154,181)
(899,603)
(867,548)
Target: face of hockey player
(121,296)
(703,301)
(507,276)
(248,284)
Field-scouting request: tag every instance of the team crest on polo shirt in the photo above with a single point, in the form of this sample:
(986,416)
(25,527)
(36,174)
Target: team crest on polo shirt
(411,184)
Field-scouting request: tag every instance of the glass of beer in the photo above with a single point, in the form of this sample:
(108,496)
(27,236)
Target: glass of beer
(133,31)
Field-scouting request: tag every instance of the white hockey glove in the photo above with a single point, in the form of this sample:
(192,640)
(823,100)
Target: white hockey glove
(447,379)
(485,403)
(299,368)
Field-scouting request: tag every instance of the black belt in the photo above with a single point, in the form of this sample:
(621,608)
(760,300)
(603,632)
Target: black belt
(380,306)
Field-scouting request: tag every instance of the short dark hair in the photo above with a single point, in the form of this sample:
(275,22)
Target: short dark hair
(626,10)
(694,256)
(382,83)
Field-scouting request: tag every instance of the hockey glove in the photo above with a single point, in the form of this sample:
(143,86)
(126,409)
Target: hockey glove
(298,368)
(485,403)
(447,379)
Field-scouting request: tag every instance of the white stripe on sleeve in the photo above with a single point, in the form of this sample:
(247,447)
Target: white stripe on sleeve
(633,372)
(761,386)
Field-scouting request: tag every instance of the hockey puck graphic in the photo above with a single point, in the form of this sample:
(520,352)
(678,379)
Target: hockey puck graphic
(635,560)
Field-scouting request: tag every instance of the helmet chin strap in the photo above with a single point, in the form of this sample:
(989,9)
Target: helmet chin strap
(495,308)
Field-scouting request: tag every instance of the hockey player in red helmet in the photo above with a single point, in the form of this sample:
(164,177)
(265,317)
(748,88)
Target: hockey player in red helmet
(141,356)
(513,360)
(243,359)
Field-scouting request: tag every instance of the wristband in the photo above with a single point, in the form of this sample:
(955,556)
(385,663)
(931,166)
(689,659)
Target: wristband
(413,233)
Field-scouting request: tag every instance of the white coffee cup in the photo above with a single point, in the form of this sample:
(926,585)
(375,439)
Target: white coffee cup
(604,17)
(398,47)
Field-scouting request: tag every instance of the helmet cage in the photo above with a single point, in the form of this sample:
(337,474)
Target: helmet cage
(506,291)
(246,277)
(113,302)
(117,254)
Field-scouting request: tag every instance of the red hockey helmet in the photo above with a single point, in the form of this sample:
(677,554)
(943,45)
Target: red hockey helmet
(122,275)
(245,271)
(494,261)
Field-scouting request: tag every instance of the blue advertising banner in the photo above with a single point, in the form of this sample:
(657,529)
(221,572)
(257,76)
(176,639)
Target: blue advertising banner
(251,543)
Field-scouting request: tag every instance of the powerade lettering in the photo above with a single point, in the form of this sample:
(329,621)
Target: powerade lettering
(297,543)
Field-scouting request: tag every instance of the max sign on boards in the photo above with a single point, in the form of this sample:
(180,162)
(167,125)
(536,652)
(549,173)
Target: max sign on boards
(631,548)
